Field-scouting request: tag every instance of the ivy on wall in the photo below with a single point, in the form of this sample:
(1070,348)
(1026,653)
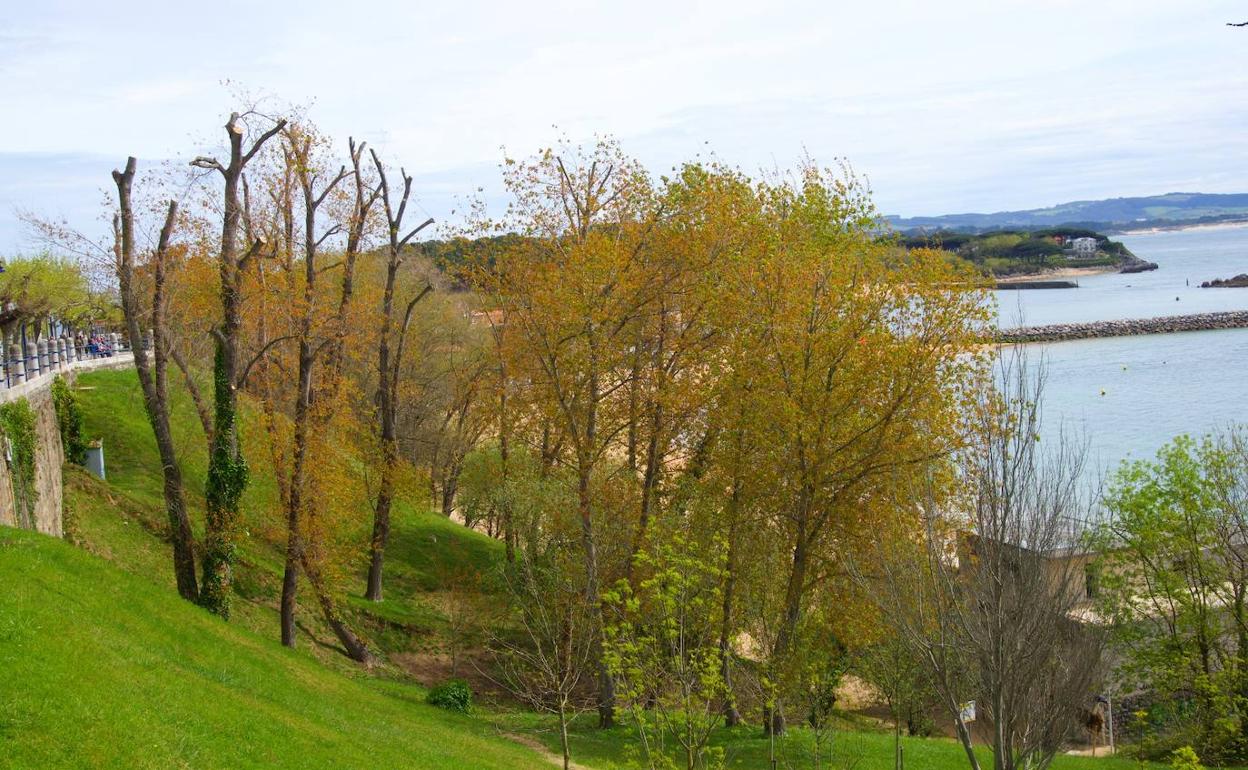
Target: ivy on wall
(17,423)
(69,420)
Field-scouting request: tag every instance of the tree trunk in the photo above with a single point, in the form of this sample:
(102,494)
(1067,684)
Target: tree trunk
(449,486)
(390,458)
(732,717)
(354,646)
(563,736)
(381,527)
(606,683)
(290,580)
(155,383)
(227,471)
(775,724)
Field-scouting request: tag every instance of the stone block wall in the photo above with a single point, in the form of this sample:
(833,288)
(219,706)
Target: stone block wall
(49,454)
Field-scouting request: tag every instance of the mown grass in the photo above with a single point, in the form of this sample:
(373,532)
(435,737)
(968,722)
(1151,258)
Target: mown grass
(427,552)
(104,668)
(853,744)
(101,665)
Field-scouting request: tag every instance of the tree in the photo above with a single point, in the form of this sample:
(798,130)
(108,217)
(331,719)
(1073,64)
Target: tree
(227,469)
(901,679)
(987,596)
(43,288)
(1174,581)
(568,290)
(662,645)
(319,364)
(850,366)
(153,375)
(388,369)
(544,663)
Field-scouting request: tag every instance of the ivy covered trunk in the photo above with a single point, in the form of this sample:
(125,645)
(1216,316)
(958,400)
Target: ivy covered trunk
(227,478)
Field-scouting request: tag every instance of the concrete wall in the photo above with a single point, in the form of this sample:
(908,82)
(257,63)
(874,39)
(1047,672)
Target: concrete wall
(49,455)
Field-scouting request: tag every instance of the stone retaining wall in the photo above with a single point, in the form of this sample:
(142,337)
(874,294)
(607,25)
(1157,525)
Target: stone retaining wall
(49,455)
(1234,319)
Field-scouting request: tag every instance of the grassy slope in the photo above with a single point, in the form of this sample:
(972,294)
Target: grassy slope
(426,549)
(102,667)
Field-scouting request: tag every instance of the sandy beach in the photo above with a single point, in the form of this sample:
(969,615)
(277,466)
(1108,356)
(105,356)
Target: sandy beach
(1059,273)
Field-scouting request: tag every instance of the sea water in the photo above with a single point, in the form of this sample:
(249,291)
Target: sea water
(1127,396)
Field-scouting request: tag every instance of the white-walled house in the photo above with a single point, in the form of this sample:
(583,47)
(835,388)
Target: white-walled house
(1084,247)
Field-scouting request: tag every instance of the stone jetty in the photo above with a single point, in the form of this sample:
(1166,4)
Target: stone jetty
(1234,319)
(1037,285)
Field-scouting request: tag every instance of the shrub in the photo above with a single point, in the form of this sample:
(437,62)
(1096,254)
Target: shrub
(69,420)
(1185,758)
(453,695)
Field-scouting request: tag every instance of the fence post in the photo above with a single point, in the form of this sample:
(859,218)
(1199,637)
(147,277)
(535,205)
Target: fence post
(17,367)
(32,361)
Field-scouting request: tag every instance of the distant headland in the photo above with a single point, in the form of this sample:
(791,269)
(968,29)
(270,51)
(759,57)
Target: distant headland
(1111,215)
(1017,258)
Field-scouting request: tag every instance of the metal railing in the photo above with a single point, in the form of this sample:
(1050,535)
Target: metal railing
(48,356)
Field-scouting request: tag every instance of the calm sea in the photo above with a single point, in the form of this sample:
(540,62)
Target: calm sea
(1130,395)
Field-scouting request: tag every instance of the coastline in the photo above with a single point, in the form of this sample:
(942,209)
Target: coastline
(1228,225)
(1059,272)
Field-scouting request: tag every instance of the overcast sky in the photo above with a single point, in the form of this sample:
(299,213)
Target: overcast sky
(947,106)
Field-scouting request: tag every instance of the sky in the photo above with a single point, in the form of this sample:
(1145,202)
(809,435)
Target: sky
(945,106)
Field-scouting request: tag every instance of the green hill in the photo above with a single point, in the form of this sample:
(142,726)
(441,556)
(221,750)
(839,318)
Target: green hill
(102,665)
(1171,209)
(103,668)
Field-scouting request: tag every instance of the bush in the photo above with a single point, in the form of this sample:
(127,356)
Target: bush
(454,695)
(69,419)
(1185,759)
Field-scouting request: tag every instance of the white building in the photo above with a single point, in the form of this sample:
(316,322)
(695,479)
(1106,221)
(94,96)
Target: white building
(1084,247)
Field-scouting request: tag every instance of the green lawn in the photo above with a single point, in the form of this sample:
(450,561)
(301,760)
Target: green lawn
(101,665)
(103,668)
(854,744)
(426,554)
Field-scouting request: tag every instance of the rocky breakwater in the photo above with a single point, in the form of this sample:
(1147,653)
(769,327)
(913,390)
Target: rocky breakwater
(1233,319)
(1238,282)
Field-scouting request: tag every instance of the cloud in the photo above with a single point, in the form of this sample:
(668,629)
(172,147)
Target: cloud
(949,106)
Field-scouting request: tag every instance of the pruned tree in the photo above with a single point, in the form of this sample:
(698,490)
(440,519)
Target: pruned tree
(227,469)
(151,313)
(320,336)
(389,365)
